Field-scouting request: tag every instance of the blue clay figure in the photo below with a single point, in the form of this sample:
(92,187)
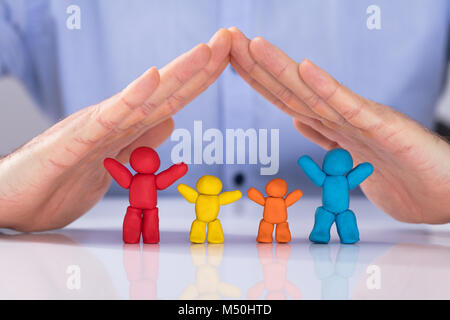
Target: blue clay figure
(336,178)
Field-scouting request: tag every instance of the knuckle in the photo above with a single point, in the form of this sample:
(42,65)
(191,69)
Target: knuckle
(179,78)
(147,108)
(100,118)
(352,112)
(284,94)
(250,69)
(125,102)
(174,102)
(333,92)
(282,70)
(312,100)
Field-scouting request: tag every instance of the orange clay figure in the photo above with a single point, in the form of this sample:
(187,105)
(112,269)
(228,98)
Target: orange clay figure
(275,210)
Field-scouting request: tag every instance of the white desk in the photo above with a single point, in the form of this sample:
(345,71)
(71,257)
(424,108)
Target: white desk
(88,259)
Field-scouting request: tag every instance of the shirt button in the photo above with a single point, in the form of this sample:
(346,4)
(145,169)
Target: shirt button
(239,179)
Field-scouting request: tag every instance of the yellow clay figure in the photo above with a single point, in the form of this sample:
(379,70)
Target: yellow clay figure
(207,204)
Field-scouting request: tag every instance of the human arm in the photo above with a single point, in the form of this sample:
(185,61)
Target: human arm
(59,175)
(257,196)
(229,197)
(359,174)
(411,181)
(293,197)
(312,170)
(187,192)
(165,178)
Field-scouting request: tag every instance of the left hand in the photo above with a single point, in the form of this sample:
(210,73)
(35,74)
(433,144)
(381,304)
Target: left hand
(59,175)
(411,181)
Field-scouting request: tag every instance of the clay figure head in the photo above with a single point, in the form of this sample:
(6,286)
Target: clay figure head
(209,185)
(144,160)
(276,188)
(337,162)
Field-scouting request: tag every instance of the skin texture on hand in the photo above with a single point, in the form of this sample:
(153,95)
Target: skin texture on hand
(411,181)
(59,175)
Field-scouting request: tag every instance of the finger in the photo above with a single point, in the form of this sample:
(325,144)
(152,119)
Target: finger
(172,77)
(355,109)
(161,114)
(384,130)
(78,134)
(332,132)
(178,72)
(220,45)
(241,55)
(107,115)
(285,70)
(214,77)
(152,138)
(315,136)
(262,90)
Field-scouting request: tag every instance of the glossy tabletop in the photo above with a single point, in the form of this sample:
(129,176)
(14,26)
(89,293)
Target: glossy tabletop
(87,259)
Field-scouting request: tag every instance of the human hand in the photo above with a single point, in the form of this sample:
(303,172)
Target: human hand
(411,181)
(59,175)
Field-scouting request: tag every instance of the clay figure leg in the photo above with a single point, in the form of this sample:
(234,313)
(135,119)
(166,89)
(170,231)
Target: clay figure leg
(323,221)
(198,231)
(132,222)
(265,232)
(282,233)
(150,226)
(215,232)
(347,227)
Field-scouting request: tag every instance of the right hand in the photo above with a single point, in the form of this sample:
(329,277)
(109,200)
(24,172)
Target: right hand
(59,175)
(411,181)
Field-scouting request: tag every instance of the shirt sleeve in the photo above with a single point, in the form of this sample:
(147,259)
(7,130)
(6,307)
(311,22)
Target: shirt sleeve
(27,51)
(14,60)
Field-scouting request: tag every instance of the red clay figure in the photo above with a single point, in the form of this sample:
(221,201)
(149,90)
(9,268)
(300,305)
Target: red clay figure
(275,210)
(142,214)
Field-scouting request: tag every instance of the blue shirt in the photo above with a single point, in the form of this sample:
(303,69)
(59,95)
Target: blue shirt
(402,64)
